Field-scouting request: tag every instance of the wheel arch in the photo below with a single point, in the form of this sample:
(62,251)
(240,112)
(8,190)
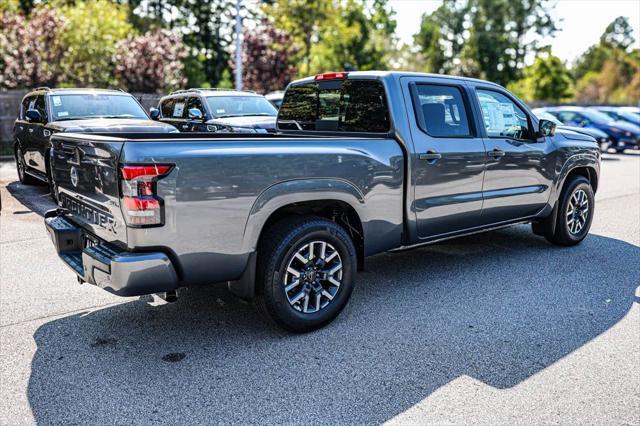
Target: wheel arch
(335,199)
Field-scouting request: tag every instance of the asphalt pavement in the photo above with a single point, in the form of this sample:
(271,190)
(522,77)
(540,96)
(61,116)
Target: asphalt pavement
(497,328)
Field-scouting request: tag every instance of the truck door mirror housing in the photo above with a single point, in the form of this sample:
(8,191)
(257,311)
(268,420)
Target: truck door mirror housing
(195,114)
(33,115)
(546,128)
(154,113)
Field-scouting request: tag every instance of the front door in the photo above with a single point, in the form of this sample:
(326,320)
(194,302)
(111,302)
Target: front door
(519,171)
(174,112)
(40,137)
(449,159)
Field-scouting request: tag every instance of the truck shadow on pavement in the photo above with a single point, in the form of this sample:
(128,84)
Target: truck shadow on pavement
(498,307)
(35,198)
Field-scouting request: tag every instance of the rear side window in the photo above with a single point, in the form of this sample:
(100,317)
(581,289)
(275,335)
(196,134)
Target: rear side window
(336,105)
(441,110)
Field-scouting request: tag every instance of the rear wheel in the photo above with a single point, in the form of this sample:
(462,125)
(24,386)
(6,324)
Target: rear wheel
(575,213)
(24,177)
(306,272)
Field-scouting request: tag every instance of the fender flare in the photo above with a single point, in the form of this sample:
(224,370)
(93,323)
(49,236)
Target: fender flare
(280,195)
(572,163)
(297,191)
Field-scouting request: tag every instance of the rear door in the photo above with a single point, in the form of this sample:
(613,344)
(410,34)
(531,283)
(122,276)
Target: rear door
(86,173)
(519,168)
(449,156)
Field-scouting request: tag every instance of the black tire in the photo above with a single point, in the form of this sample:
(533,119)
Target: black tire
(566,231)
(25,178)
(277,252)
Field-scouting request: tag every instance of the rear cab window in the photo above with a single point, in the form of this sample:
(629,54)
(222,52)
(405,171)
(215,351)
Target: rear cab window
(358,106)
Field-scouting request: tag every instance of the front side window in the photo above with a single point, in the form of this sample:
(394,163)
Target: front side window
(41,107)
(502,117)
(441,110)
(196,103)
(166,107)
(178,108)
(349,106)
(240,106)
(94,105)
(27,104)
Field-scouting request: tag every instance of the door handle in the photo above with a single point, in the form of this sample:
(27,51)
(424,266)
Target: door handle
(431,156)
(185,126)
(497,153)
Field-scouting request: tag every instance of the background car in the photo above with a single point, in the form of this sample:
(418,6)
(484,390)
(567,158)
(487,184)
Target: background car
(604,142)
(617,113)
(46,111)
(275,98)
(217,110)
(623,135)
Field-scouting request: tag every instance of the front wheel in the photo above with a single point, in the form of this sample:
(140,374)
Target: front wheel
(575,213)
(306,272)
(25,178)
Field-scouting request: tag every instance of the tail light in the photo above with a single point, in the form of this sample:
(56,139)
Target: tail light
(141,205)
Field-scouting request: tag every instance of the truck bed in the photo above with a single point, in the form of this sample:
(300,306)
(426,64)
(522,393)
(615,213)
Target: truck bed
(224,187)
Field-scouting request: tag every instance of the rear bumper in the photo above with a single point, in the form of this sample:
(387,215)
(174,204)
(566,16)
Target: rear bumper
(118,271)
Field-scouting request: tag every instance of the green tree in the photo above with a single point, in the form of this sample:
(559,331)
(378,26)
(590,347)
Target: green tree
(91,34)
(608,71)
(547,79)
(484,38)
(304,21)
(360,37)
(207,28)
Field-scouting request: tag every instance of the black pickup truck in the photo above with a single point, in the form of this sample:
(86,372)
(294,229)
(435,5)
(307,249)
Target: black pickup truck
(45,111)
(363,163)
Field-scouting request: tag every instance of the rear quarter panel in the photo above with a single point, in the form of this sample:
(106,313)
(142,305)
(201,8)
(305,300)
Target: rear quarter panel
(221,192)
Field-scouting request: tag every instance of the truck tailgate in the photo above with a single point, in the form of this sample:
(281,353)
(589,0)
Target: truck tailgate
(85,171)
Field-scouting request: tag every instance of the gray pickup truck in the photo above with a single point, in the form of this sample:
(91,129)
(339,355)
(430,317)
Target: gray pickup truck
(363,163)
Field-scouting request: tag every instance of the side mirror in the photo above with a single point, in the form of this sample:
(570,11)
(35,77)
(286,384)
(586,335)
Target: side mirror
(547,128)
(195,114)
(33,115)
(154,113)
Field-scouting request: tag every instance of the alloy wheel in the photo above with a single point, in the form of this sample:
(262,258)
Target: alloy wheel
(313,277)
(577,211)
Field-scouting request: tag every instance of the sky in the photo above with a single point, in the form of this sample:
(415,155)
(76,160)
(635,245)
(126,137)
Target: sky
(581,22)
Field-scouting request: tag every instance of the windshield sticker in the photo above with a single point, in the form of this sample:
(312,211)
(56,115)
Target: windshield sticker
(178,109)
(63,113)
(56,101)
(499,116)
(220,111)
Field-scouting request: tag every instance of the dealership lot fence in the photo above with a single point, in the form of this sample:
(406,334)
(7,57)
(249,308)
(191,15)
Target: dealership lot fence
(10,105)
